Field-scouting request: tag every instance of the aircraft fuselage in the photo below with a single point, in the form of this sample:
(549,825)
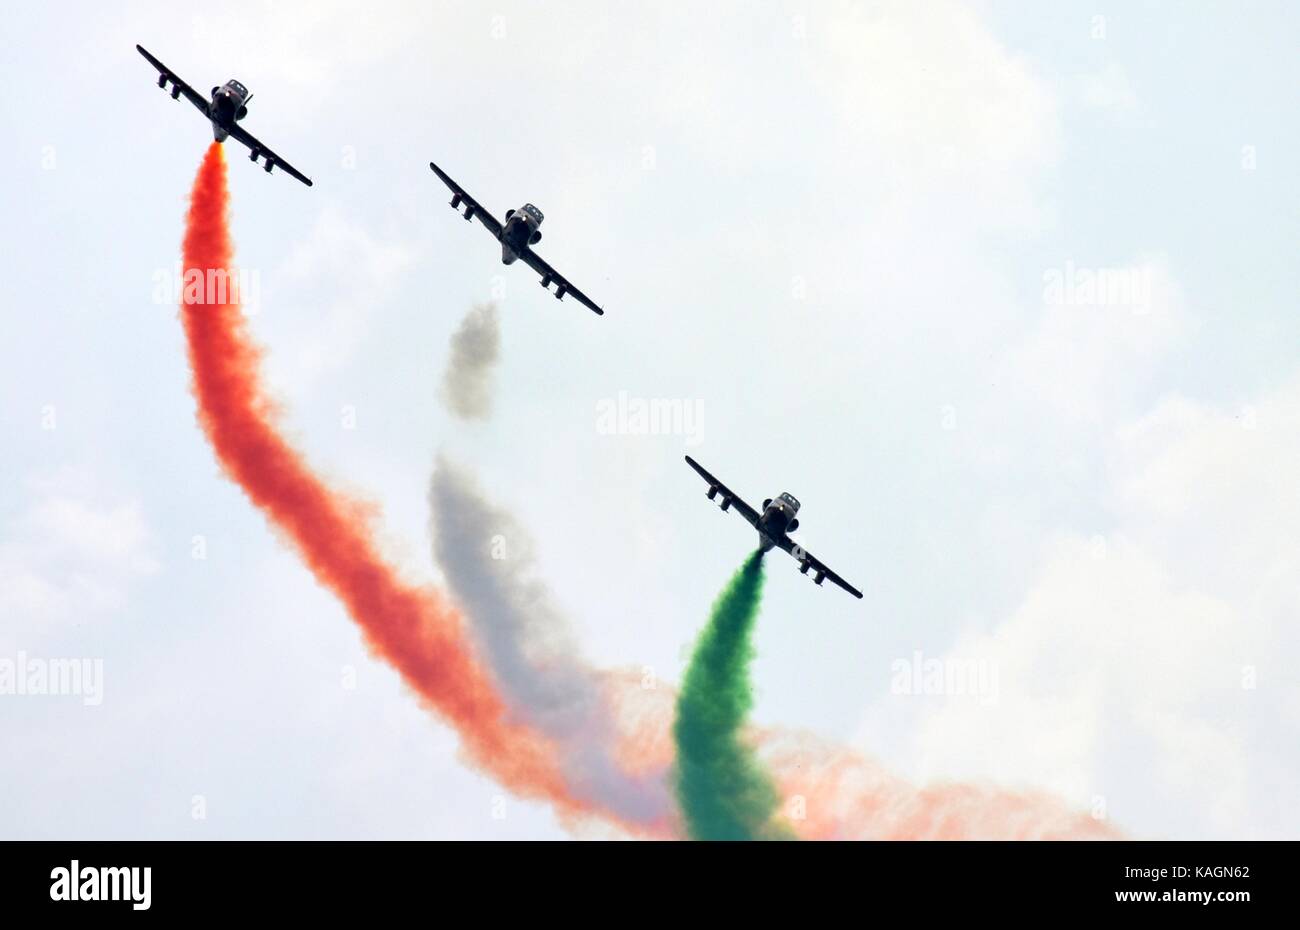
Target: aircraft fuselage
(226,108)
(519,232)
(778,518)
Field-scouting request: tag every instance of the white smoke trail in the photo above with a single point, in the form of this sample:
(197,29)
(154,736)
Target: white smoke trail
(475,348)
(488,563)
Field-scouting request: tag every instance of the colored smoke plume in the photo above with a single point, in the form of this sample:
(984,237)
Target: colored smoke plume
(410,627)
(829,791)
(722,788)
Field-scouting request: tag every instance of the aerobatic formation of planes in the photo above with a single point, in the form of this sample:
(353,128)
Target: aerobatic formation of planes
(227,105)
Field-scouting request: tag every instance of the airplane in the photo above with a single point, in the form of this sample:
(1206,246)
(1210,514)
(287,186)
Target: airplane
(517,237)
(777,519)
(229,104)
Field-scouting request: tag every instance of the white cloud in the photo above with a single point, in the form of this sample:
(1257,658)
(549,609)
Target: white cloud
(1166,648)
(1109,89)
(68,553)
(940,105)
(325,294)
(1101,331)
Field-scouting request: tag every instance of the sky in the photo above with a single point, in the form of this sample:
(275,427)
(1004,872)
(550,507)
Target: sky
(856,239)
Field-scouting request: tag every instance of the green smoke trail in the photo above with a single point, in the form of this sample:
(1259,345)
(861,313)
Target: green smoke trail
(722,789)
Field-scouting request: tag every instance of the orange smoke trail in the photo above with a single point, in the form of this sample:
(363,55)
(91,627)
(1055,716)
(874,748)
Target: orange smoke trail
(410,627)
(835,793)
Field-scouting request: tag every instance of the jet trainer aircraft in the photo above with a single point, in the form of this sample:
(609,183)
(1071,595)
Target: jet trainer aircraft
(227,106)
(777,519)
(517,237)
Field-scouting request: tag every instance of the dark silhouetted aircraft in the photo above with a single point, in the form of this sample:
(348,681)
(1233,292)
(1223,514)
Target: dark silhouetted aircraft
(517,237)
(227,106)
(777,519)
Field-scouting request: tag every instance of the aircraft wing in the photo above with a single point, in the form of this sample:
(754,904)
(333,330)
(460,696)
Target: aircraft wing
(746,511)
(816,564)
(472,207)
(167,74)
(243,136)
(562,285)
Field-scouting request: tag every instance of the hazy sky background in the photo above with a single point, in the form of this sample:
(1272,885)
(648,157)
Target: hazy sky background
(833,227)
